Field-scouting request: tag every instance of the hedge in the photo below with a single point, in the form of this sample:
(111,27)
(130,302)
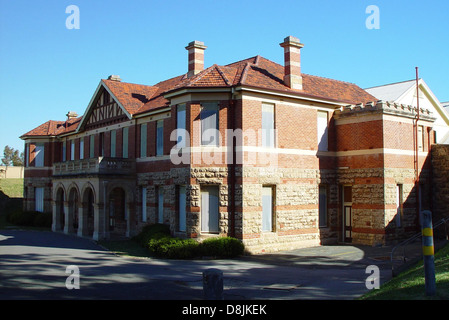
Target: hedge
(30,218)
(157,239)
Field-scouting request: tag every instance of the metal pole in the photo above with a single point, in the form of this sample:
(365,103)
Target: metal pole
(428,252)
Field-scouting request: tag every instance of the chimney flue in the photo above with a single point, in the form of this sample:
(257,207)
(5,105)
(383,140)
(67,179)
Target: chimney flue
(292,62)
(196,57)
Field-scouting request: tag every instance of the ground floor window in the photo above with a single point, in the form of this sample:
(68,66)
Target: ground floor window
(267,208)
(322,206)
(39,199)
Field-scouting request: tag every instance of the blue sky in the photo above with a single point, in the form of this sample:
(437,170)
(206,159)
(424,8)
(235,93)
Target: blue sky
(47,70)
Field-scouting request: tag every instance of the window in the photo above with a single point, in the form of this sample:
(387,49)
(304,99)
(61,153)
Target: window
(322,130)
(322,205)
(399,208)
(92,146)
(39,155)
(64,151)
(101,144)
(181,126)
(27,150)
(39,199)
(113,143)
(125,143)
(420,138)
(182,208)
(209,124)
(267,125)
(160,138)
(144,204)
(267,209)
(143,140)
(81,148)
(72,150)
(160,204)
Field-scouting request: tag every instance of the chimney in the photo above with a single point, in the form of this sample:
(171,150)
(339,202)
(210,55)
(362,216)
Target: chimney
(114,77)
(292,62)
(196,57)
(71,115)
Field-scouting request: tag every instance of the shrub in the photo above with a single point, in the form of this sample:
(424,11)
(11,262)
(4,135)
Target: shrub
(43,219)
(226,247)
(152,231)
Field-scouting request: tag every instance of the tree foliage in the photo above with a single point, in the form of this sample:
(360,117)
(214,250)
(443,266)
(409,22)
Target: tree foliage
(12,157)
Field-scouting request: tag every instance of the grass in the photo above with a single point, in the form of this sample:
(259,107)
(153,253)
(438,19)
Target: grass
(410,284)
(13,188)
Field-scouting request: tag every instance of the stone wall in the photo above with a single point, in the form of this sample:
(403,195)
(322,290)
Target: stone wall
(440,181)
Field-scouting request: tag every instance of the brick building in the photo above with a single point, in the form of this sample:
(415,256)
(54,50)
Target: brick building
(261,152)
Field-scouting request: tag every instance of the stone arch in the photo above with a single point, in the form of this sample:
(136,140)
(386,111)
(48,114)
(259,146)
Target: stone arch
(88,202)
(73,204)
(59,208)
(120,209)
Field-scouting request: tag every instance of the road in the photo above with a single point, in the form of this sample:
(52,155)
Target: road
(33,266)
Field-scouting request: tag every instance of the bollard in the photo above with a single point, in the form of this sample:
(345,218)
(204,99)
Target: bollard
(213,284)
(428,252)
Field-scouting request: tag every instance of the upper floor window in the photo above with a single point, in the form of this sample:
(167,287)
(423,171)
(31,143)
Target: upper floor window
(72,150)
(160,137)
(268,125)
(209,124)
(64,151)
(39,155)
(125,142)
(143,140)
(181,126)
(113,143)
(92,146)
(82,148)
(322,130)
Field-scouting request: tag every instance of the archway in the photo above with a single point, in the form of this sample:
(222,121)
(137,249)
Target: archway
(88,201)
(59,218)
(72,221)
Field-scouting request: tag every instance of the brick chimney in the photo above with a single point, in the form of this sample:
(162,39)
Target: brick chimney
(292,62)
(196,57)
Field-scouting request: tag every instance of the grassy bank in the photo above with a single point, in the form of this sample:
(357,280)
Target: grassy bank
(13,188)
(410,285)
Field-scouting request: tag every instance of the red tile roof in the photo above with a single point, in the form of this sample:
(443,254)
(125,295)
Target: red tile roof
(255,72)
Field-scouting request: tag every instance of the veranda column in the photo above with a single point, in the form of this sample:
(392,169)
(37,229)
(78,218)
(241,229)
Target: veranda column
(68,221)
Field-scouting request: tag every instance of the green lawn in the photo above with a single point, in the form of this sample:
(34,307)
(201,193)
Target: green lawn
(410,285)
(13,188)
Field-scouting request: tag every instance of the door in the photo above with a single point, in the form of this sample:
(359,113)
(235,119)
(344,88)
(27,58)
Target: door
(209,209)
(347,213)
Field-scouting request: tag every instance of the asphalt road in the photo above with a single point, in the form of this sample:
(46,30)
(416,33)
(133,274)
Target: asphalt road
(34,266)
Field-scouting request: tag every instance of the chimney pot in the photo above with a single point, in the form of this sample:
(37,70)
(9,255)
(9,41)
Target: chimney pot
(114,77)
(71,115)
(292,62)
(196,57)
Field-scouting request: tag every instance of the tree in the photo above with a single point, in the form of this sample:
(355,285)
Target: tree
(12,157)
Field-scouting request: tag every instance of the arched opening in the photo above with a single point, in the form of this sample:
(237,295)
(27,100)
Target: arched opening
(117,212)
(60,218)
(73,211)
(88,212)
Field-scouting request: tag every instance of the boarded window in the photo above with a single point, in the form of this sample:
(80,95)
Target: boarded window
(267,208)
(39,199)
(113,143)
(160,137)
(322,130)
(209,124)
(125,143)
(39,155)
(143,140)
(322,206)
(182,208)
(144,204)
(267,125)
(181,126)
(92,146)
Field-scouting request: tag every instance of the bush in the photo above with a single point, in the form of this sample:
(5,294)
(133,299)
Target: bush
(152,231)
(225,247)
(30,218)
(157,239)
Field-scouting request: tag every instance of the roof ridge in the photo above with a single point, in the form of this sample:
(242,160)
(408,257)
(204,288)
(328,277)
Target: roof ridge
(223,75)
(342,81)
(390,84)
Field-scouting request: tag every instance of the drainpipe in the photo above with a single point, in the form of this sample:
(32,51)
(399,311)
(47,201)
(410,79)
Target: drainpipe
(416,149)
(231,118)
